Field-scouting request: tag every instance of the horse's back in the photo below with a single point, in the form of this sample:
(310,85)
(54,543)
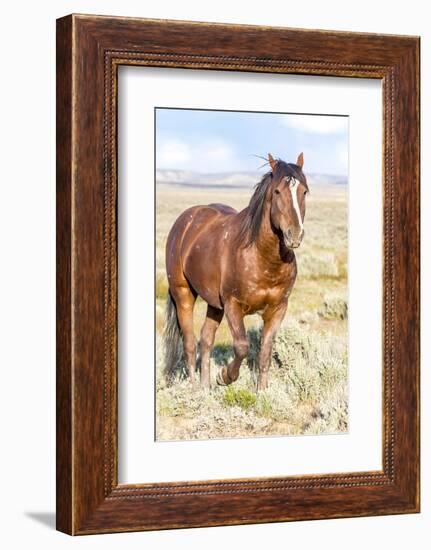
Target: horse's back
(223,208)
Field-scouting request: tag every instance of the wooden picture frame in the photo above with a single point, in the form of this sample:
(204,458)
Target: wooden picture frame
(89,51)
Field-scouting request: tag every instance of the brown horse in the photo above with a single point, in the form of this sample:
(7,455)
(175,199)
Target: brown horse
(240,263)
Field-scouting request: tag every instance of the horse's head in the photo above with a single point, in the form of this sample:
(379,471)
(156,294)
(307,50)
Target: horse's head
(288,191)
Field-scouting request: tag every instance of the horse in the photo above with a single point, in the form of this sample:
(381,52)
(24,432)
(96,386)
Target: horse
(240,263)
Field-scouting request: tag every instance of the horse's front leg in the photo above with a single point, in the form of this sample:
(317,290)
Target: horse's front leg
(235,318)
(272,319)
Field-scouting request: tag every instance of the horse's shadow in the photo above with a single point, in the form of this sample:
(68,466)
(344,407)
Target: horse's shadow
(221,354)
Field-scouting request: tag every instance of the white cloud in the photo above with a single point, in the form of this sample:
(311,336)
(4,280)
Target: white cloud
(316,124)
(171,152)
(210,155)
(215,151)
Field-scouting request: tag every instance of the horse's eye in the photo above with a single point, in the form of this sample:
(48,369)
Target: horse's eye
(276,191)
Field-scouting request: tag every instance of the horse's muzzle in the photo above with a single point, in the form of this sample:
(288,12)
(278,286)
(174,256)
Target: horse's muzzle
(292,239)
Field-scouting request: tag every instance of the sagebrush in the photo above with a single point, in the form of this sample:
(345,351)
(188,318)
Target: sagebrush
(307,393)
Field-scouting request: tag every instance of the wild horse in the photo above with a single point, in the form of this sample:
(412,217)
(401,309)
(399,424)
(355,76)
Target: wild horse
(240,263)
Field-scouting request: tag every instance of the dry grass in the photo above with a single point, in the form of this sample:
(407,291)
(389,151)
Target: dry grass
(308,377)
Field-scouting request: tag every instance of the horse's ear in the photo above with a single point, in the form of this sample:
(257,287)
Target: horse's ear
(300,160)
(272,162)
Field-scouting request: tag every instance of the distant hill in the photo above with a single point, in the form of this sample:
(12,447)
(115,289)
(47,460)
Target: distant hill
(232,179)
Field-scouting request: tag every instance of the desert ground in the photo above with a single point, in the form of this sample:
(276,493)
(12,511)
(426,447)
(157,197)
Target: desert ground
(307,392)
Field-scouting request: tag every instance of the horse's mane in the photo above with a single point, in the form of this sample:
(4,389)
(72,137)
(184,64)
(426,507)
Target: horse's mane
(254,212)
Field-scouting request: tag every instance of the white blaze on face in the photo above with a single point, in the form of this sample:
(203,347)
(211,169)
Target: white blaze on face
(294,184)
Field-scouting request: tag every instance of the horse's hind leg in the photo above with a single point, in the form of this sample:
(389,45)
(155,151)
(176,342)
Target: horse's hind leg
(185,301)
(209,328)
(235,317)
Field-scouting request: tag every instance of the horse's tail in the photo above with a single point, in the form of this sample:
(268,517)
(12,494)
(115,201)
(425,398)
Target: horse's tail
(172,339)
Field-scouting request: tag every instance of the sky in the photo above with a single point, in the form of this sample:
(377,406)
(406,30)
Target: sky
(227,141)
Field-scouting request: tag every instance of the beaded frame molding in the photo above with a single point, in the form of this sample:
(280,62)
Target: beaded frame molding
(89,51)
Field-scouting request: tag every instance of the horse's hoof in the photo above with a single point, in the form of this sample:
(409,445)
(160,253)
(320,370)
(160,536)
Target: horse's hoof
(261,387)
(193,383)
(220,378)
(205,384)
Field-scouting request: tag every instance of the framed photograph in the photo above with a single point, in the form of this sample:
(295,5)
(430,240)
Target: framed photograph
(237,274)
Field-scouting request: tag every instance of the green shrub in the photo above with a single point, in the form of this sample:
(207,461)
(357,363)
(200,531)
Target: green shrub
(334,307)
(239,397)
(307,391)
